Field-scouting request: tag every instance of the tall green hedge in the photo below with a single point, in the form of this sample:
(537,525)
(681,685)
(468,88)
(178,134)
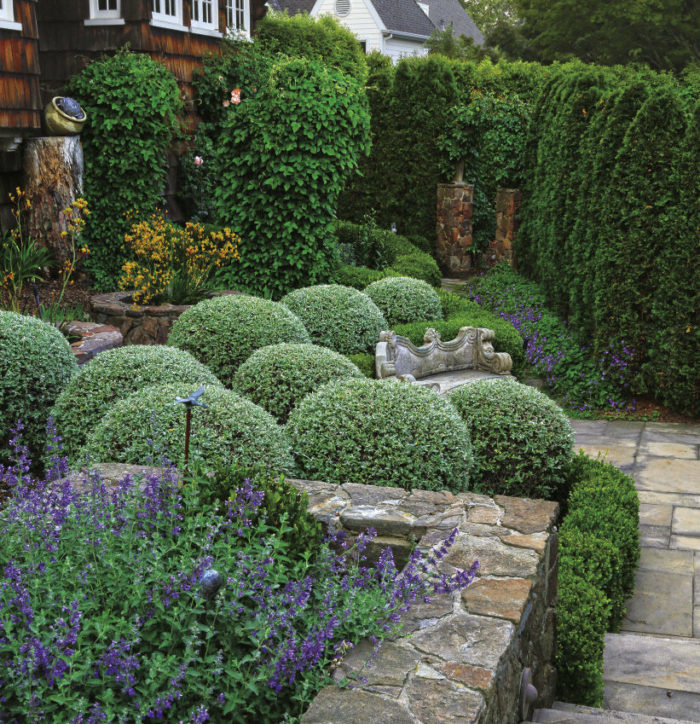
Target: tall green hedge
(132,104)
(611,219)
(282,159)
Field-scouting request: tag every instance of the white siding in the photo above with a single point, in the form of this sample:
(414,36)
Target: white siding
(360,22)
(397,48)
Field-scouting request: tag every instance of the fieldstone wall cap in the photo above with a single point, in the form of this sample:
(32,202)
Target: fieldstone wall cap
(473,677)
(495,558)
(528,516)
(500,597)
(437,702)
(466,639)
(389,668)
(385,522)
(353,707)
(374,494)
(424,614)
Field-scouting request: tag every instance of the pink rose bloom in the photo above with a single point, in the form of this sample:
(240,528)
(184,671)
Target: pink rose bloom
(236,95)
(198,160)
(225,104)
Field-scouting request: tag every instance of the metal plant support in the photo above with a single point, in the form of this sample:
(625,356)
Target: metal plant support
(189,403)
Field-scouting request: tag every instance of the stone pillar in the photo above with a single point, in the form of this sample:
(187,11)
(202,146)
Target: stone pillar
(53,172)
(508,202)
(454,226)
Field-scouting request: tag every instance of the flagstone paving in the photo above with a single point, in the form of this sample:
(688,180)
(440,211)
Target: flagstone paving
(653,666)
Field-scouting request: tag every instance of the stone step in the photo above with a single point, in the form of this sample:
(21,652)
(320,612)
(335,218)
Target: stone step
(562,713)
(653,675)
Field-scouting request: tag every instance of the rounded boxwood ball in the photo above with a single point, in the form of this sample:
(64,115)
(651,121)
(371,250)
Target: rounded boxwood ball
(338,317)
(147,426)
(114,375)
(224,331)
(279,376)
(36,363)
(523,442)
(381,433)
(403,299)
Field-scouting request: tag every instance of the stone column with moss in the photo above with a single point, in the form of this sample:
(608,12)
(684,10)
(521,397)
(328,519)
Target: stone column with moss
(455,207)
(508,203)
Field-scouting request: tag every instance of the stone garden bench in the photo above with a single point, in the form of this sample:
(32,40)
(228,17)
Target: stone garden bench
(442,366)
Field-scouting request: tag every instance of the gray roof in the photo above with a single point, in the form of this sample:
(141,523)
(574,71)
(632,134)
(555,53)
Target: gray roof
(404,16)
(451,12)
(399,16)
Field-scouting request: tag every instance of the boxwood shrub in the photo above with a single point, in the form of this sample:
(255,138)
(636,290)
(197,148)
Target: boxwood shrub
(599,549)
(418,265)
(364,361)
(523,442)
(223,332)
(337,317)
(114,375)
(357,277)
(381,433)
(279,376)
(147,426)
(36,363)
(403,299)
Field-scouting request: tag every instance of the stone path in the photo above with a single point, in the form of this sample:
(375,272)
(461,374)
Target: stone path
(652,667)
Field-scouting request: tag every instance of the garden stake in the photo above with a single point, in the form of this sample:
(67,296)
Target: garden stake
(189,403)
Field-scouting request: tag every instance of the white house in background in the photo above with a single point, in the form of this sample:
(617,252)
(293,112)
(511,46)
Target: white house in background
(397,28)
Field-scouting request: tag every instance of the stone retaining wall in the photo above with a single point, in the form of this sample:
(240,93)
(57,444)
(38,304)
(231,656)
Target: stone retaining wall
(138,325)
(459,658)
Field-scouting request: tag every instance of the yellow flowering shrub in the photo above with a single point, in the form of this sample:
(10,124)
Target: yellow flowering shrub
(172,263)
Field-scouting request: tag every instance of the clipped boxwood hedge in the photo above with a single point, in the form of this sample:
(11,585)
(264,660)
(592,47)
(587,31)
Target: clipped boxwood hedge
(357,277)
(381,433)
(337,317)
(418,265)
(147,426)
(599,549)
(279,376)
(403,299)
(523,442)
(224,331)
(36,363)
(114,375)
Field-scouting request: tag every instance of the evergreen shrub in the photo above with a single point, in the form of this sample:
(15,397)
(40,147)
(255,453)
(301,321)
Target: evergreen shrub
(403,299)
(36,364)
(147,426)
(357,277)
(381,433)
(132,104)
(364,362)
(340,318)
(114,375)
(283,507)
(323,39)
(224,331)
(283,156)
(522,441)
(279,376)
(599,549)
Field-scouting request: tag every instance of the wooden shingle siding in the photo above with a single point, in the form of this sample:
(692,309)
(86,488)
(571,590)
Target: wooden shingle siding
(20,99)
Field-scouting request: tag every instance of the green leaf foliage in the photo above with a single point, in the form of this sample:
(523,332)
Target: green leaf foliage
(599,549)
(340,318)
(323,39)
(36,363)
(381,433)
(522,441)
(147,425)
(224,331)
(282,159)
(114,375)
(278,377)
(403,299)
(132,104)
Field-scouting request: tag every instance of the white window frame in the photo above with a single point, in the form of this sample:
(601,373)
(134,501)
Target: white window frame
(7,16)
(161,19)
(201,27)
(232,14)
(104,17)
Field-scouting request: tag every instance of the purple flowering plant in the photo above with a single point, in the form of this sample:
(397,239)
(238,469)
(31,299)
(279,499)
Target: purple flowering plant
(142,602)
(583,383)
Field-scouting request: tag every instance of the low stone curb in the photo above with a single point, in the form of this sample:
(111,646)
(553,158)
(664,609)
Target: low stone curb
(94,338)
